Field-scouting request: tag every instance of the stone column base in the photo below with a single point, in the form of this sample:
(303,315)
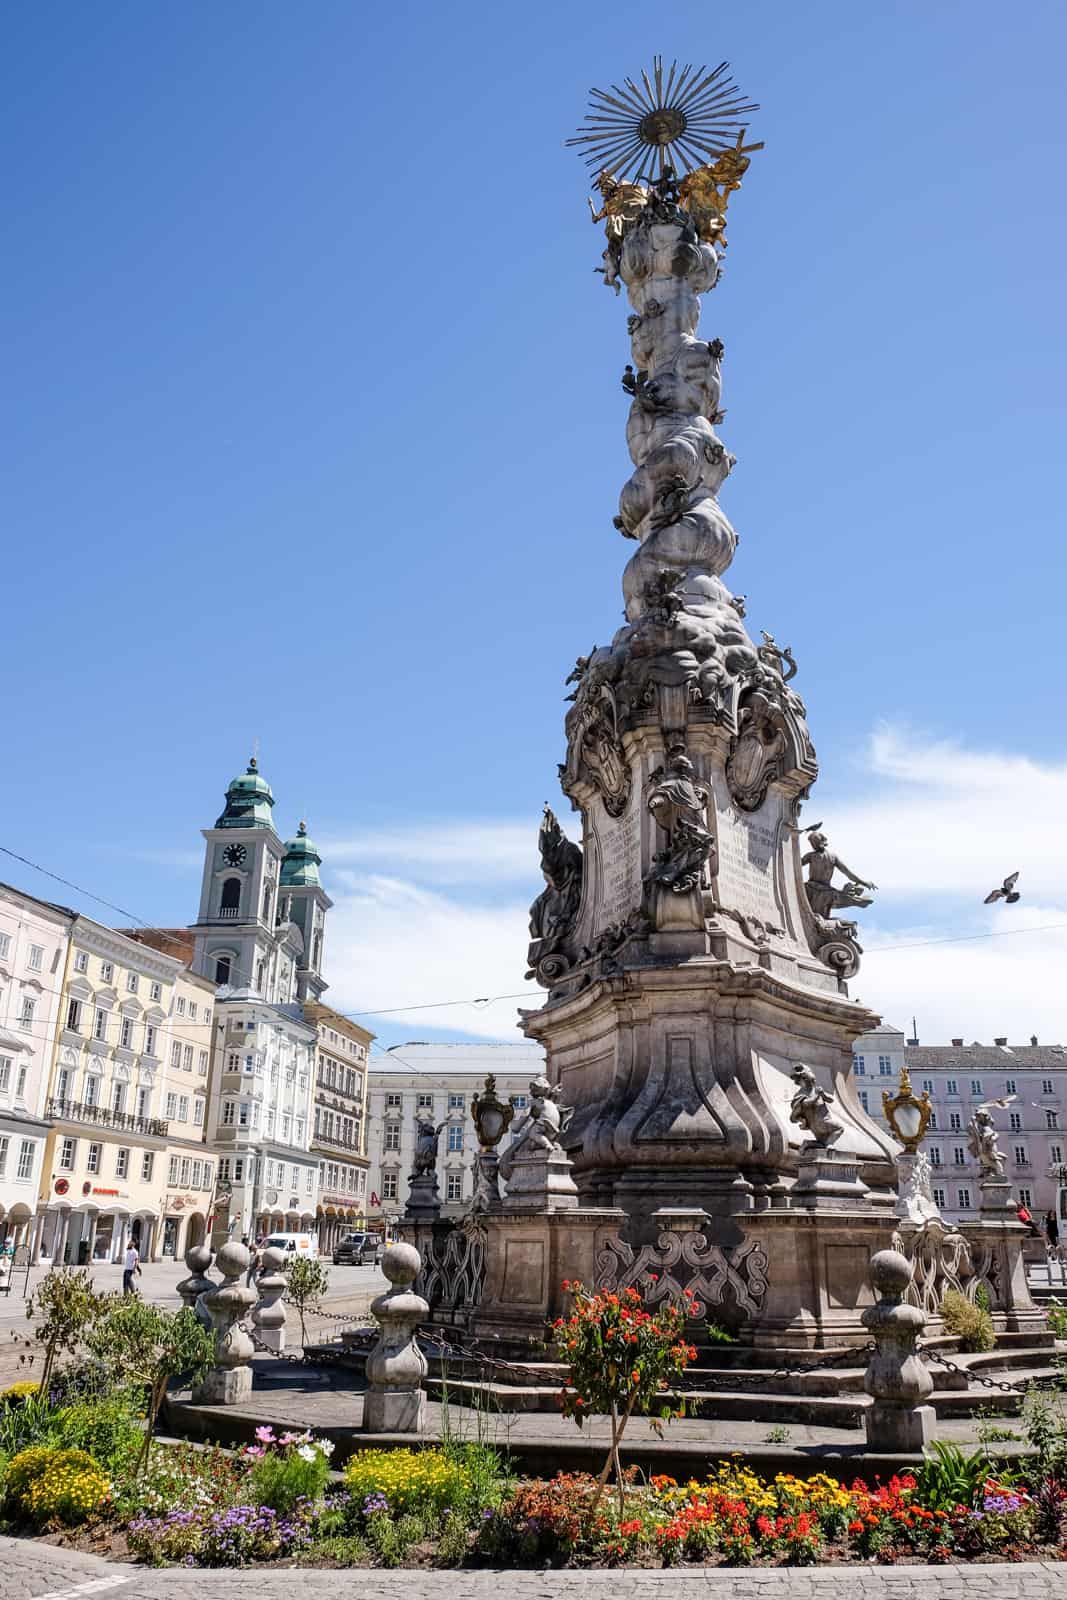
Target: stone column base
(273,1338)
(224,1386)
(529,1255)
(896,1429)
(394,1411)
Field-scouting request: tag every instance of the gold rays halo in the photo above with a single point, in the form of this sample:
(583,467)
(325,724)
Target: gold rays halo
(684,117)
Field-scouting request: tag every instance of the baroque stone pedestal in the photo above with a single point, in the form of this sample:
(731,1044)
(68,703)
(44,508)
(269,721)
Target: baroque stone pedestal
(541,1181)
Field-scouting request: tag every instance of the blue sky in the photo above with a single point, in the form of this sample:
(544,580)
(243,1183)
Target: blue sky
(313,435)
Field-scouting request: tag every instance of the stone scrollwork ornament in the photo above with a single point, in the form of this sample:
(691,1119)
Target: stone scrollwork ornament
(603,754)
(759,752)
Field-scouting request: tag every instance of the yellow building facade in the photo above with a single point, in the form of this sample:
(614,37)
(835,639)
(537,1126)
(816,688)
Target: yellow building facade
(127,1099)
(339,1129)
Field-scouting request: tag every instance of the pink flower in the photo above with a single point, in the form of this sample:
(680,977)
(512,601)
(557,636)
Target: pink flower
(292,1438)
(265,1435)
(254,1451)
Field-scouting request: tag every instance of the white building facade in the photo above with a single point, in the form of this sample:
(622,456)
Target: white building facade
(34,942)
(259,937)
(960,1077)
(438,1080)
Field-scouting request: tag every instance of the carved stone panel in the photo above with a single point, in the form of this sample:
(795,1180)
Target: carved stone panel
(618,854)
(748,854)
(524,1272)
(679,1261)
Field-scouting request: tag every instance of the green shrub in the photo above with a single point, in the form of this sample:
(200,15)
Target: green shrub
(70,1490)
(282,1477)
(1055,1316)
(409,1481)
(105,1429)
(949,1478)
(24,1468)
(970,1324)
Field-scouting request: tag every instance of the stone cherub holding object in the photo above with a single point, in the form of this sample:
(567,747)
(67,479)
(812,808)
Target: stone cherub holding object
(540,1128)
(424,1161)
(982,1144)
(810,1108)
(823,897)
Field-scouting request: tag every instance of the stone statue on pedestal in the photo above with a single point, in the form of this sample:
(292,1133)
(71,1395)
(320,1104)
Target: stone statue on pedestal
(424,1200)
(823,897)
(535,1167)
(982,1143)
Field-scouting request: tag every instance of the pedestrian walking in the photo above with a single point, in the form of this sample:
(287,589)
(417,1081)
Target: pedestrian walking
(1052,1229)
(130,1270)
(254,1259)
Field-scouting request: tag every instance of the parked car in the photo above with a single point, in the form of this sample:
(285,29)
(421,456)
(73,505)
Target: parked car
(357,1250)
(294,1244)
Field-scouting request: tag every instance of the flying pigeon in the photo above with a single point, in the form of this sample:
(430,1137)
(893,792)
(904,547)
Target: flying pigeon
(999,1105)
(1007,892)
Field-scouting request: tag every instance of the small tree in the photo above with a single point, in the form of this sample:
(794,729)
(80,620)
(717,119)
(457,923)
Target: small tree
(308,1283)
(150,1346)
(621,1358)
(67,1306)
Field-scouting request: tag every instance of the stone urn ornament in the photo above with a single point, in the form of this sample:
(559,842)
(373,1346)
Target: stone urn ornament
(268,1318)
(229,1380)
(897,1379)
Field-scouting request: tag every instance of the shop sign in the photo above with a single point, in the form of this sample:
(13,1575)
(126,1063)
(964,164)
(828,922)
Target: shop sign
(62,1185)
(115,1194)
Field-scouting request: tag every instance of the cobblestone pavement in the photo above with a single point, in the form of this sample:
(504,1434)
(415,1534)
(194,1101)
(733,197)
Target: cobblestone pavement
(30,1570)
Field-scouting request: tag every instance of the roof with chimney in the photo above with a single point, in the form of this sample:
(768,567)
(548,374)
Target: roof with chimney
(998,1054)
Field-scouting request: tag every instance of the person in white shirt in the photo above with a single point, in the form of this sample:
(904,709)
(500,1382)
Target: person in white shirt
(133,1265)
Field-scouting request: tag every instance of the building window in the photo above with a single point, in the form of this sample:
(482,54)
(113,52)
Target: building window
(1052,1119)
(243,1114)
(67,1151)
(454,1186)
(4,1142)
(859,1066)
(198,1112)
(26,1011)
(885,1066)
(963,1199)
(92,1163)
(928,1086)
(171,1109)
(229,1112)
(149,1039)
(392,1100)
(74,1015)
(457,1102)
(126,1033)
(148,1161)
(156,991)
(202,1063)
(455,1139)
(239,1171)
(1015,1121)
(955,1121)
(935,1155)
(186,1171)
(187,1058)
(1047,1086)
(392,1136)
(132,981)
(959,1155)
(952,1087)
(1009,1086)
(389,1185)
(122,1163)
(976,1087)
(939,1198)
(100,1024)
(107,972)
(192,1014)
(91,1091)
(933,1121)
(20,1084)
(230,901)
(6,1063)
(424,1102)
(1055,1153)
(36,958)
(1021,1158)
(81,961)
(25,1169)
(863,1099)
(5,945)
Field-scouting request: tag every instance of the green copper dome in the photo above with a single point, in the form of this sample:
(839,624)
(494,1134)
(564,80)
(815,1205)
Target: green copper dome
(248,801)
(300,869)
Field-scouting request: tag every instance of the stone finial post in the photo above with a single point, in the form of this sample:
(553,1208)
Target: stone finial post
(230,1379)
(194,1288)
(269,1314)
(897,1377)
(396,1366)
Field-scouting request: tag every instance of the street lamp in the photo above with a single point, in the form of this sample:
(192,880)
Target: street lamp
(492,1116)
(907,1116)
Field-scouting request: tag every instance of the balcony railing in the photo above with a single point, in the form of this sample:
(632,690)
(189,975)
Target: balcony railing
(104,1117)
(229,913)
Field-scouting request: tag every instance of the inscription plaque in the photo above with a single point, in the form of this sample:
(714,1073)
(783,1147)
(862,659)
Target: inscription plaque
(748,844)
(619,852)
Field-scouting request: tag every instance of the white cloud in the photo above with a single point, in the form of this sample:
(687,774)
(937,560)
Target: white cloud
(396,944)
(447,852)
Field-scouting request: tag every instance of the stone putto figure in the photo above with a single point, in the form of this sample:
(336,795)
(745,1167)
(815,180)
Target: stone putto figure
(983,1146)
(427,1138)
(538,1132)
(810,1108)
(679,805)
(823,897)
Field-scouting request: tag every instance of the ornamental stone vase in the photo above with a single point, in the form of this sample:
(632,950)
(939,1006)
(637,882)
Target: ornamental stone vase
(229,1380)
(268,1318)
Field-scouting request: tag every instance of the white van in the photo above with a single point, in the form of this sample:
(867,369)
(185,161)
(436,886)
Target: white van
(294,1244)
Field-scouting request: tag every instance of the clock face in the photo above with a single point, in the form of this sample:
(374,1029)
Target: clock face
(234,854)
